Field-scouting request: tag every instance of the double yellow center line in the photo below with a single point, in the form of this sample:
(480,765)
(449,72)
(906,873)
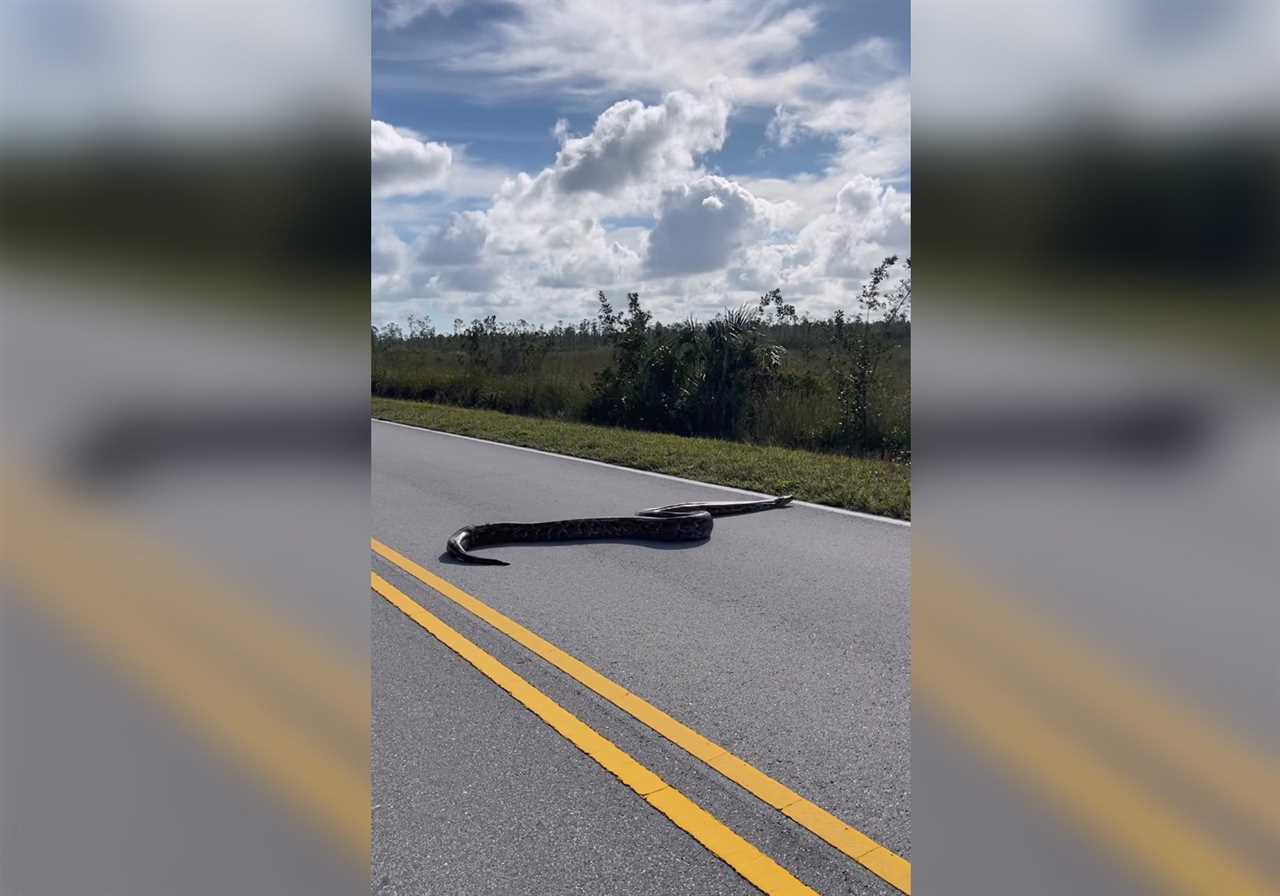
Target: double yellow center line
(252,687)
(997,673)
(744,858)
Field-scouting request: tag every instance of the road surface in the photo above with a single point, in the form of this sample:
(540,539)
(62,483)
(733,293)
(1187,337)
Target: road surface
(186,710)
(785,639)
(1094,615)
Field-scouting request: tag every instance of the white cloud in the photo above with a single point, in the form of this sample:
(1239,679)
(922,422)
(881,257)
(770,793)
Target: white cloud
(460,240)
(540,252)
(403,163)
(871,126)
(386,250)
(760,267)
(471,179)
(633,152)
(631,142)
(389,259)
(449,257)
(478,278)
(580,254)
(700,224)
(874,210)
(632,204)
(595,48)
(446,257)
(823,263)
(869,222)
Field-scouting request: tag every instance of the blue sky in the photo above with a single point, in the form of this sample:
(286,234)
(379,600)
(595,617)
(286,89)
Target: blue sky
(700,152)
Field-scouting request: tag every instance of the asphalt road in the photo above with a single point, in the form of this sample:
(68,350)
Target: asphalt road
(1146,562)
(120,775)
(785,638)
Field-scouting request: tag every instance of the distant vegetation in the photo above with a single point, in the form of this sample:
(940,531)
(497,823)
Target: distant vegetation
(762,373)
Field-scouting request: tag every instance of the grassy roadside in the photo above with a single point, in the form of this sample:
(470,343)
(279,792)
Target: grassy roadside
(868,485)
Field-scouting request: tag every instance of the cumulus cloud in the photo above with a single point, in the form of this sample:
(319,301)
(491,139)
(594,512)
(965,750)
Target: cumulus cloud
(633,142)
(403,163)
(884,213)
(459,240)
(700,224)
(759,267)
(477,278)
(386,250)
(389,260)
(581,254)
(834,251)
(451,256)
(713,241)
(636,201)
(869,222)
(632,153)
(873,210)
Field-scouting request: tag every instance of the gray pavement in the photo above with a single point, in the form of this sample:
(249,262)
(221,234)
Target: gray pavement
(106,785)
(1156,555)
(785,638)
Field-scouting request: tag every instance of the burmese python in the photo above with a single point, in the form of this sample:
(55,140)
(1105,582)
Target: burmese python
(691,521)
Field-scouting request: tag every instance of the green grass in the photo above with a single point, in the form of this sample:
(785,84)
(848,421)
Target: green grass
(872,486)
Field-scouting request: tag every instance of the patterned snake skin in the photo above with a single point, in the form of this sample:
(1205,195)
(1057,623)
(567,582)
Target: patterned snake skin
(691,521)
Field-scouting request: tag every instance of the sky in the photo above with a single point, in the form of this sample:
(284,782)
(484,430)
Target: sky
(528,153)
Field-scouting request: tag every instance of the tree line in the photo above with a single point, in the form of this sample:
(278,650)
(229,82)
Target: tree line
(762,372)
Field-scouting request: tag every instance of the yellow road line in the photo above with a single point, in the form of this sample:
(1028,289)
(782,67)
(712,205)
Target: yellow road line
(756,867)
(228,620)
(1130,820)
(882,862)
(96,610)
(1109,692)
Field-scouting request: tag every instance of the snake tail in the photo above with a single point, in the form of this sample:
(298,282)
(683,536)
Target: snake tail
(718,508)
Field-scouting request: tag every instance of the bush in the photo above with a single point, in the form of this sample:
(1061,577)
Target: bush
(692,379)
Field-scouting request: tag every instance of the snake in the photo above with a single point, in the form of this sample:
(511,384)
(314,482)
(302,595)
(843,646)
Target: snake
(688,521)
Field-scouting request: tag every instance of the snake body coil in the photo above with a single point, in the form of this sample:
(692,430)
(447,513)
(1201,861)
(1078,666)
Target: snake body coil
(691,521)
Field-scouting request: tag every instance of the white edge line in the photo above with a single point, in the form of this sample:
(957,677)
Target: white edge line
(600,463)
